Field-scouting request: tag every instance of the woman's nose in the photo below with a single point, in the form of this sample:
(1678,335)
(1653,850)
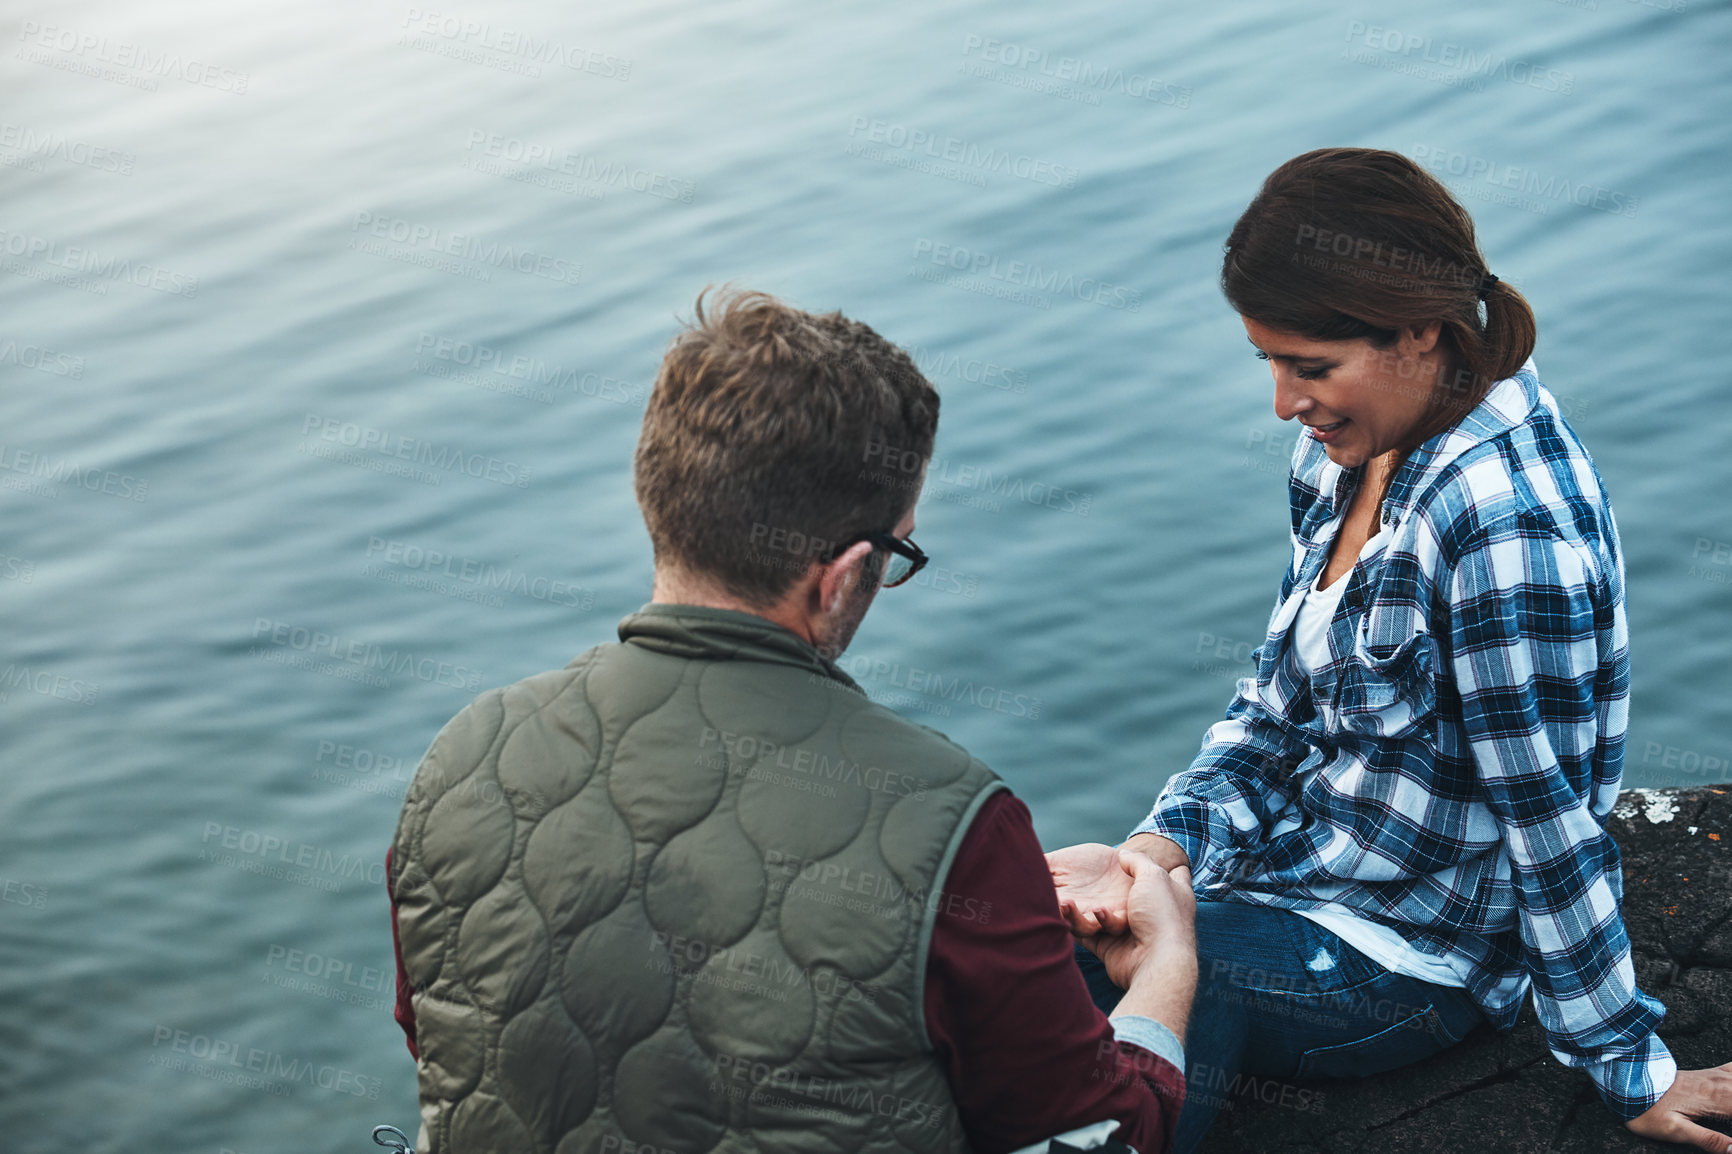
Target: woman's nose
(1290,398)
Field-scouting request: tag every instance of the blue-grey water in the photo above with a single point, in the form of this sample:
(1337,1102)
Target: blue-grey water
(330,324)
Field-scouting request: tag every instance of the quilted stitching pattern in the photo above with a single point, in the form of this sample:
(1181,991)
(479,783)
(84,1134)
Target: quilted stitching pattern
(625,884)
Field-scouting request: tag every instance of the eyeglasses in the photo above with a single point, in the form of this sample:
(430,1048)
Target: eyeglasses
(906,559)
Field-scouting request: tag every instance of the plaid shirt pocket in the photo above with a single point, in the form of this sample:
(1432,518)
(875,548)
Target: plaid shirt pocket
(1389,696)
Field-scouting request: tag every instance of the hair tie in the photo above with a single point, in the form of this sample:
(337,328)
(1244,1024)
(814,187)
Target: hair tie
(1485,286)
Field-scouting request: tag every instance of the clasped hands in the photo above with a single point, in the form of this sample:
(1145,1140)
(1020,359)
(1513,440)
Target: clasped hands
(1132,911)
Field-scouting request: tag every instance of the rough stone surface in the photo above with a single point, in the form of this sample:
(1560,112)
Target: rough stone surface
(1504,1093)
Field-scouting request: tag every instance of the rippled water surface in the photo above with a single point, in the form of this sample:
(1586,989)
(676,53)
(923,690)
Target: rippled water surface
(236,237)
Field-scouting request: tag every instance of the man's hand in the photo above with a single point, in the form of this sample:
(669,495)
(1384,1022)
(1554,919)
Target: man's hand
(1160,914)
(1696,1094)
(1156,961)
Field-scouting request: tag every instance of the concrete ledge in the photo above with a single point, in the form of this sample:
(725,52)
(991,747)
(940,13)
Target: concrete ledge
(1505,1093)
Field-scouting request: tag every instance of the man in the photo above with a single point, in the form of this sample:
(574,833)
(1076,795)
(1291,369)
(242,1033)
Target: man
(696,891)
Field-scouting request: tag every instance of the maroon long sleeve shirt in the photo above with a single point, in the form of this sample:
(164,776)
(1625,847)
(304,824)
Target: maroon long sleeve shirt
(1027,1053)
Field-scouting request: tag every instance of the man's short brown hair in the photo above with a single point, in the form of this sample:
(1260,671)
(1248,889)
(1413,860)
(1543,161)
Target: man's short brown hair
(773,435)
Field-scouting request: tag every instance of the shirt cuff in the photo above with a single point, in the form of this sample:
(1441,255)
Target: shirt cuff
(1151,1036)
(1631,1084)
(1186,824)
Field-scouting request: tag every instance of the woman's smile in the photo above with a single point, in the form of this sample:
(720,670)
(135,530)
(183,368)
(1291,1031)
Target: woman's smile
(1357,400)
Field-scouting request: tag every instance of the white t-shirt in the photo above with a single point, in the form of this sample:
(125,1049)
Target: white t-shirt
(1310,643)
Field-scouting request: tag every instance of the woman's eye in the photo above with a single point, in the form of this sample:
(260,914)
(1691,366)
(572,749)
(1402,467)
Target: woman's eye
(1307,374)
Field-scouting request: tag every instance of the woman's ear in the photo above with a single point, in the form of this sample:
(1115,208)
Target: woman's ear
(1421,339)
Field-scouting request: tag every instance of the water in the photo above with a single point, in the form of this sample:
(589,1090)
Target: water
(190,821)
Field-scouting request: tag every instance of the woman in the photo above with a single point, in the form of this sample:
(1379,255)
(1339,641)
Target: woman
(1396,832)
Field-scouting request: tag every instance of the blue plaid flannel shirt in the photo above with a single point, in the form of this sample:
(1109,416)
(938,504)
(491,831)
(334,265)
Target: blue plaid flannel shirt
(1450,770)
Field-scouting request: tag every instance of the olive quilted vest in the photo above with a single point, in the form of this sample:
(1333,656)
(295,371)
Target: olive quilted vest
(676,898)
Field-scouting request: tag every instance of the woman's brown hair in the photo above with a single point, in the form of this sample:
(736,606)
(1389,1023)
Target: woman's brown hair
(1343,243)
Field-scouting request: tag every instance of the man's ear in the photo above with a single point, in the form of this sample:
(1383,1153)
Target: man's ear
(839,577)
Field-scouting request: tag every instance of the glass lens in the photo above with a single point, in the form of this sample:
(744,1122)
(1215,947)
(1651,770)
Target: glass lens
(898,569)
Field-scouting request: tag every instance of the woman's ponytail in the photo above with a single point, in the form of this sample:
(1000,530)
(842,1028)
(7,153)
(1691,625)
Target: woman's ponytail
(1510,332)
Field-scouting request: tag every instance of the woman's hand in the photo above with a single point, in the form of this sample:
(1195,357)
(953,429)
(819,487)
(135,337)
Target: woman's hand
(1159,951)
(1092,888)
(1092,883)
(1695,1094)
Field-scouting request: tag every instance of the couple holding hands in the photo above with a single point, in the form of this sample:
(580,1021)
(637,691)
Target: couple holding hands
(729,903)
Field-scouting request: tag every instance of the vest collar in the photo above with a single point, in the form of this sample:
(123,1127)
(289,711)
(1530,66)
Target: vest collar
(699,632)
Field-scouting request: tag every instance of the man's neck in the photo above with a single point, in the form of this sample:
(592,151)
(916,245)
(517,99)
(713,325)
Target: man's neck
(675,588)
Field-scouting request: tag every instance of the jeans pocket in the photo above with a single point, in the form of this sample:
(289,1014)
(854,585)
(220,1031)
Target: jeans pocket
(1403,1036)
(1454,1015)
(1323,968)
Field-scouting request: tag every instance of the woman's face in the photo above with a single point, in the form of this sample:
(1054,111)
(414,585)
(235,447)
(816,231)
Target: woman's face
(1360,401)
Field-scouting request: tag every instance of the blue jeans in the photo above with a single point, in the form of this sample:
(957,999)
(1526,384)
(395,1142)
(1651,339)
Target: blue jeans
(1279,997)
